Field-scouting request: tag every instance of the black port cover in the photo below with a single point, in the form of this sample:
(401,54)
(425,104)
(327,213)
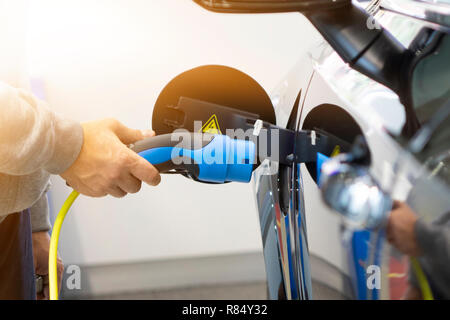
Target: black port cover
(215,84)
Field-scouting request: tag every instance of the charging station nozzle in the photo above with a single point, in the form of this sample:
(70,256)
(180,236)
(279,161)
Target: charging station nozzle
(202,156)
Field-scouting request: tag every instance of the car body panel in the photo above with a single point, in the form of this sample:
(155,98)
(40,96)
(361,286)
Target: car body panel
(320,77)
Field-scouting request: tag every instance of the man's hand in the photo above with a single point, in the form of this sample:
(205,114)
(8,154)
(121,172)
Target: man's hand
(106,165)
(41,245)
(400,229)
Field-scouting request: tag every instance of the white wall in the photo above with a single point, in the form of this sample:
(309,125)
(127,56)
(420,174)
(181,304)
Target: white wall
(12,46)
(111,59)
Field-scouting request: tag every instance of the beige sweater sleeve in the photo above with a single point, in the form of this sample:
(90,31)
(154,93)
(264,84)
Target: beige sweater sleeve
(34,138)
(40,218)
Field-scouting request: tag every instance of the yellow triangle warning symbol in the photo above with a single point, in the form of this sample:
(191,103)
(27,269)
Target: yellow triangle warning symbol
(336,151)
(211,126)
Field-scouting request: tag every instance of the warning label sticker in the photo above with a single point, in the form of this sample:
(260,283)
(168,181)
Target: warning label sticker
(211,126)
(336,151)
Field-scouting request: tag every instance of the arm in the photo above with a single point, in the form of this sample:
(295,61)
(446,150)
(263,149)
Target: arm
(40,224)
(40,220)
(414,237)
(400,229)
(429,241)
(93,158)
(434,240)
(32,137)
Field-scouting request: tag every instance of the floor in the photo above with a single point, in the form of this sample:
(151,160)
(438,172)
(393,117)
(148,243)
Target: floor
(242,291)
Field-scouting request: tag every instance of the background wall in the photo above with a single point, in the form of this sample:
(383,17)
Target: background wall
(13,28)
(111,59)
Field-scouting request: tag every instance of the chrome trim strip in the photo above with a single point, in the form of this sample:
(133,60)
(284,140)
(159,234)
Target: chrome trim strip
(302,249)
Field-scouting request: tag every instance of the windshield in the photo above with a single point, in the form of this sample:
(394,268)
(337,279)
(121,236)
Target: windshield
(430,92)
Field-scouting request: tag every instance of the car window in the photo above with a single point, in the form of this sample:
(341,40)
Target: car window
(431,81)
(430,91)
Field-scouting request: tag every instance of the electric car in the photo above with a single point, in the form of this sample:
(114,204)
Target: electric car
(377,74)
(324,93)
(381,90)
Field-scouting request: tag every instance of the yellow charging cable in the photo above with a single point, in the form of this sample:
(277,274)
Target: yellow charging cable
(422,279)
(53,253)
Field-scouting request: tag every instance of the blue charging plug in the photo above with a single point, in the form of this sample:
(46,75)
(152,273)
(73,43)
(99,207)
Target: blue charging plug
(321,159)
(206,157)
